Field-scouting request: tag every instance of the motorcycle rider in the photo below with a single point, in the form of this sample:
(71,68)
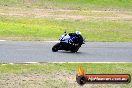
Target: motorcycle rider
(69,42)
(76,38)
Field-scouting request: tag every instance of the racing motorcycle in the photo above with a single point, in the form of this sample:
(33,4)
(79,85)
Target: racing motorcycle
(69,43)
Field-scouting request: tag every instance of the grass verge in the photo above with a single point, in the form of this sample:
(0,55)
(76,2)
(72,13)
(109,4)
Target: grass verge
(70,4)
(57,75)
(51,29)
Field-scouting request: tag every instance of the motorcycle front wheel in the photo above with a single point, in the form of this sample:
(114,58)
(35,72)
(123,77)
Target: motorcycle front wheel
(56,47)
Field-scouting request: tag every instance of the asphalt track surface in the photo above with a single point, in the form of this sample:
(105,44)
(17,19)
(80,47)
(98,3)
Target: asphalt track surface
(21,52)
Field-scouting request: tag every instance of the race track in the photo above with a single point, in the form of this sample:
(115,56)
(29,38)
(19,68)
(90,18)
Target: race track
(21,52)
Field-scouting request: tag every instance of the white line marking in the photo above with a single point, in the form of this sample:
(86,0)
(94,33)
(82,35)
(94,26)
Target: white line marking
(90,62)
(11,63)
(75,62)
(68,62)
(2,40)
(51,41)
(31,62)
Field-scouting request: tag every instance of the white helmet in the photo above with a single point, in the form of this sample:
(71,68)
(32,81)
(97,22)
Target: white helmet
(78,32)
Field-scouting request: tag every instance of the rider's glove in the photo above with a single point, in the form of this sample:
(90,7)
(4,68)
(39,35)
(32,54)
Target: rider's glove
(70,41)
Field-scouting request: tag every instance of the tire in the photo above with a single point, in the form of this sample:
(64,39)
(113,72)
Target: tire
(56,47)
(75,49)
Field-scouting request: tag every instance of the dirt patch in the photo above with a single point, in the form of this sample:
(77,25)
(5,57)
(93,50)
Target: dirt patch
(34,80)
(57,80)
(65,14)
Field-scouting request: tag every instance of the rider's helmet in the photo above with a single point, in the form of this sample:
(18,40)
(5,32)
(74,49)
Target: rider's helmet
(78,32)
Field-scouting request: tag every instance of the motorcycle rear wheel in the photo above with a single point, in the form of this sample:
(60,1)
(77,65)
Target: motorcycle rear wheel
(75,49)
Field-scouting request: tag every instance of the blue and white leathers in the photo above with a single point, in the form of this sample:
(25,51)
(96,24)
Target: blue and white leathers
(65,38)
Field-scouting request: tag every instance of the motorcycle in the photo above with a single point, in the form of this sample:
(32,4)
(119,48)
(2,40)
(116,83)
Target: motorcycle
(68,43)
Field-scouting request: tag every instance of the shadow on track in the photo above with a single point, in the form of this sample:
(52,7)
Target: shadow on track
(68,52)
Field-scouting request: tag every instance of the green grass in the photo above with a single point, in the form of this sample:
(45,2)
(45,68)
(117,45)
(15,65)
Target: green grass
(90,68)
(71,4)
(28,28)
(51,29)
(58,75)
